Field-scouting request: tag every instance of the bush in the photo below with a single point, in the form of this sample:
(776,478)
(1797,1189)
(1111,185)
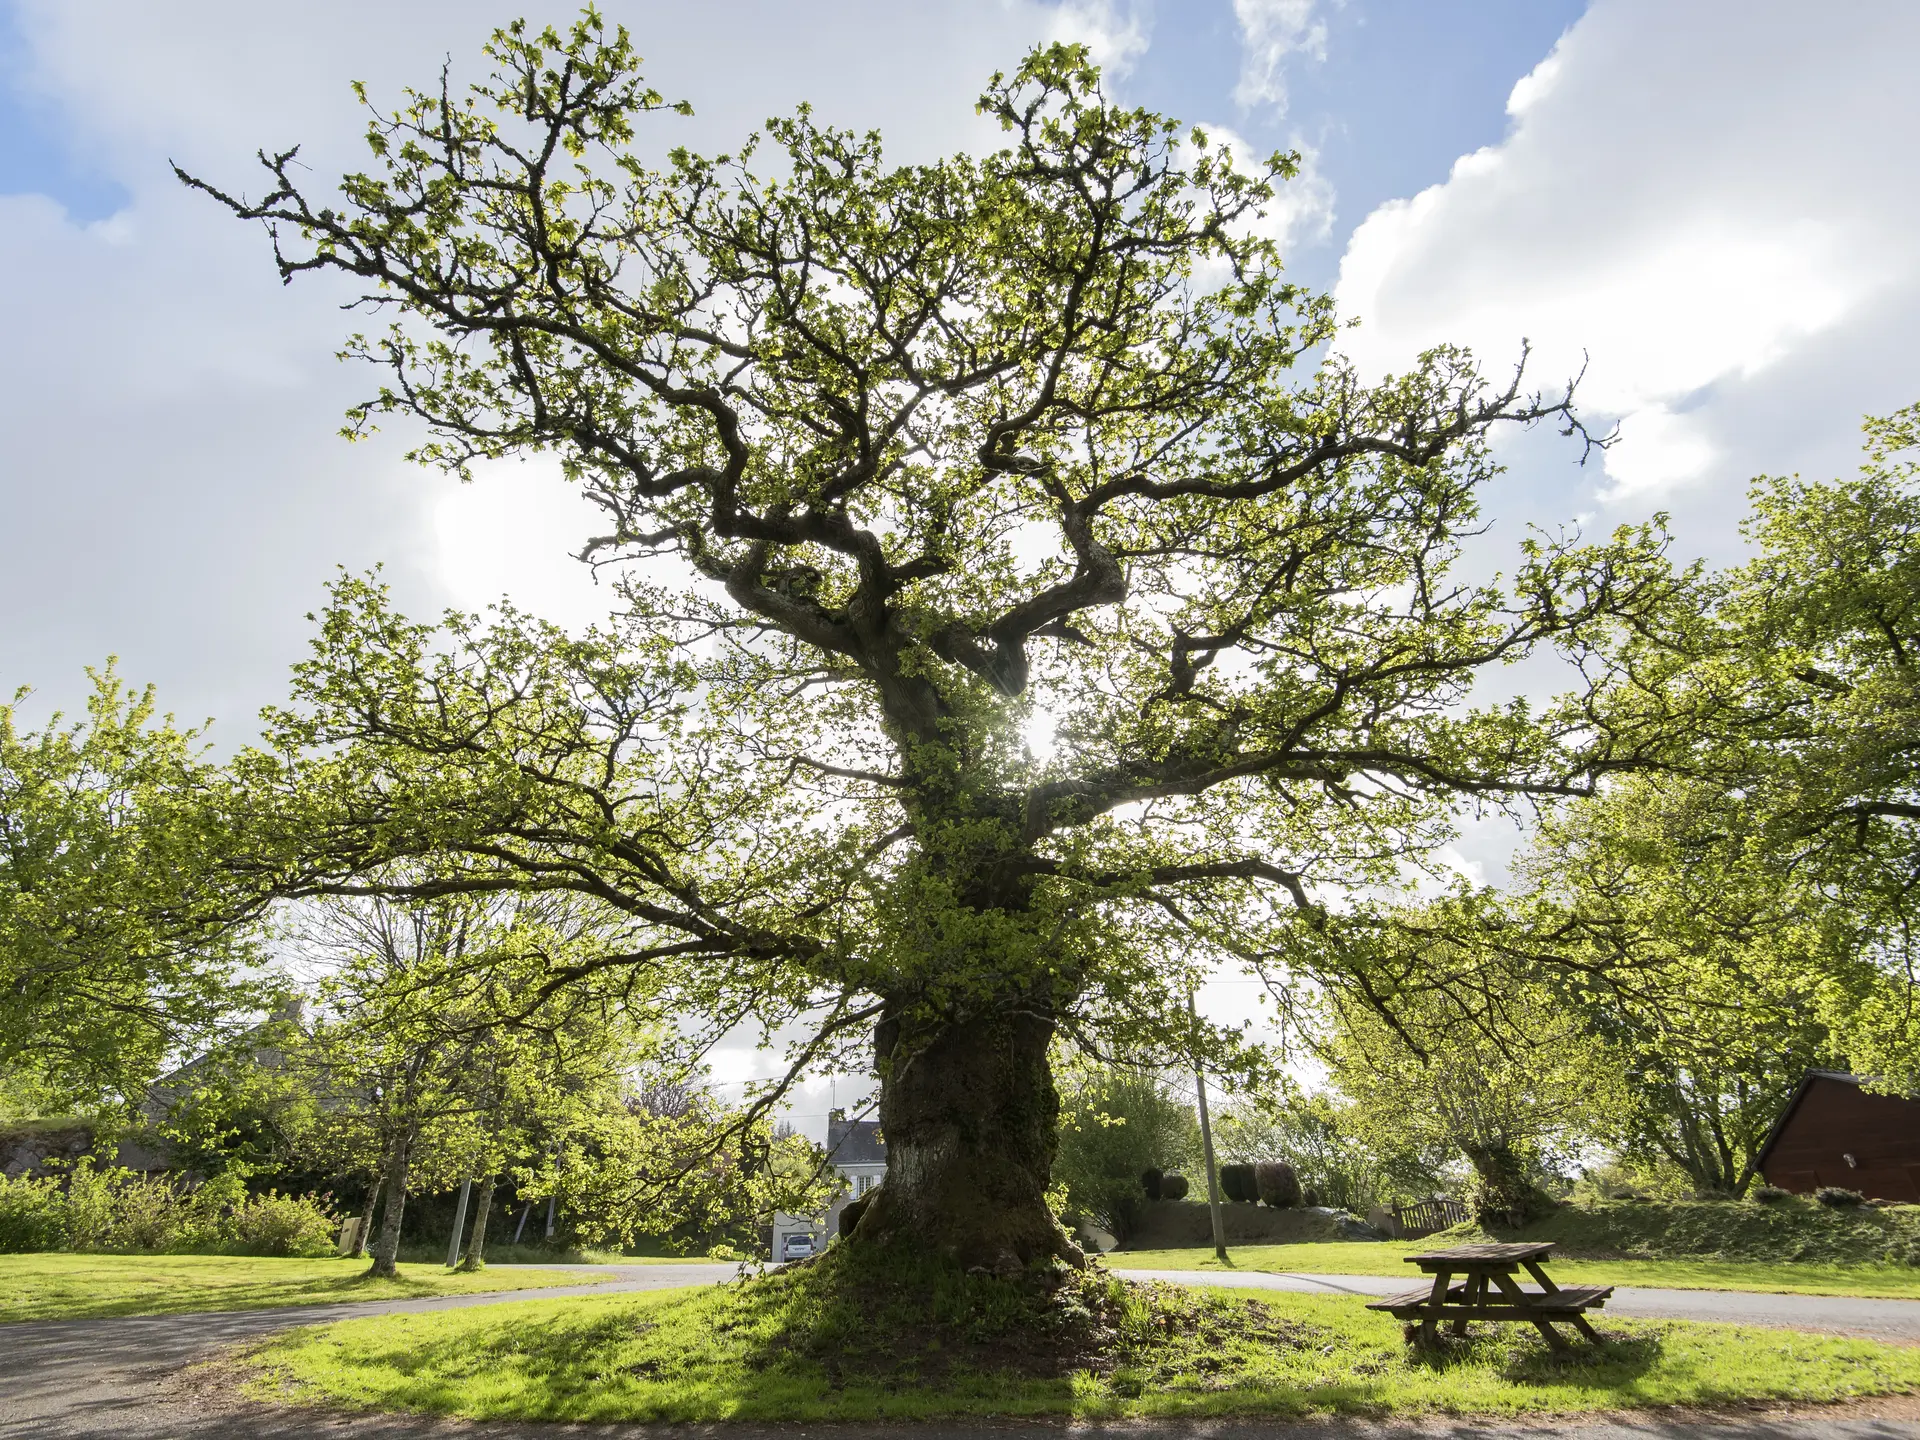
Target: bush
(1150,1181)
(116,1210)
(290,1225)
(32,1215)
(1277,1184)
(1173,1187)
(1237,1184)
(1837,1198)
(1767,1194)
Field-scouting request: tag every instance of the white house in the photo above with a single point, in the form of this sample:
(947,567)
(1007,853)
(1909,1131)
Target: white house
(858,1155)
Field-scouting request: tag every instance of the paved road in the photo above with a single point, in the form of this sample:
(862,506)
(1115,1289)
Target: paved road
(115,1379)
(105,1377)
(1881,1319)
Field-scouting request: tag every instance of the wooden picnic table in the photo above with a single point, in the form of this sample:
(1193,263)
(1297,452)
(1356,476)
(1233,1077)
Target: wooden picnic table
(1487,1290)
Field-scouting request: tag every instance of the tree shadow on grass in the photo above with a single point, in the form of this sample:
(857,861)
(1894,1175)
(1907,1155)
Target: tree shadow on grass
(1521,1355)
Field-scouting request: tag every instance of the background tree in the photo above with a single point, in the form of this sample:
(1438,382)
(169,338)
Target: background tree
(1337,1157)
(1642,883)
(124,942)
(1516,1086)
(1820,745)
(1117,1122)
(942,452)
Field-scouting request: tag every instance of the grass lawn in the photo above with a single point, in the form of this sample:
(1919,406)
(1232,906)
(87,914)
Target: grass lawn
(1388,1257)
(82,1287)
(786,1348)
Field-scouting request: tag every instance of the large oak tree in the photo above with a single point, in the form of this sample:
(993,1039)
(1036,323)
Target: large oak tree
(905,465)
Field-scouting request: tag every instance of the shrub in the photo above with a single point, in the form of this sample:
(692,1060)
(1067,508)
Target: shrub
(1767,1194)
(32,1214)
(1173,1187)
(1237,1184)
(1277,1184)
(116,1209)
(1150,1181)
(289,1225)
(112,1209)
(1839,1199)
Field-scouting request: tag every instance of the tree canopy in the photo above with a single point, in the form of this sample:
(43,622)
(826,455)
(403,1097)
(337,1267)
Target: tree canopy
(124,941)
(897,463)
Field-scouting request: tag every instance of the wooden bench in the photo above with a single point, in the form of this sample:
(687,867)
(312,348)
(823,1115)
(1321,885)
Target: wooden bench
(1489,1291)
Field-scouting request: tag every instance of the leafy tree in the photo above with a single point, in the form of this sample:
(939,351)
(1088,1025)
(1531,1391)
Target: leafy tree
(1323,1140)
(1770,874)
(436,1058)
(692,1172)
(1514,1086)
(1735,967)
(916,458)
(123,940)
(1820,743)
(1115,1124)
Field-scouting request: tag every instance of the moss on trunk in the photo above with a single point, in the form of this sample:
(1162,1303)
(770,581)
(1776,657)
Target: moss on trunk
(968,1112)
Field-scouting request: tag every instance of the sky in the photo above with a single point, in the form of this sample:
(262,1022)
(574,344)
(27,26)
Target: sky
(1707,208)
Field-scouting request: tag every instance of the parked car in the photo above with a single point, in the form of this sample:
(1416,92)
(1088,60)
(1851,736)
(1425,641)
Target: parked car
(797,1247)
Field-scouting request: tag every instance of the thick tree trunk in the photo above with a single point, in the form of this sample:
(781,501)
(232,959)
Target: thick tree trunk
(968,1114)
(389,1245)
(477,1246)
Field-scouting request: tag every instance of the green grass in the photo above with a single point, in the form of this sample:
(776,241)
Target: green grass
(85,1287)
(798,1345)
(1388,1257)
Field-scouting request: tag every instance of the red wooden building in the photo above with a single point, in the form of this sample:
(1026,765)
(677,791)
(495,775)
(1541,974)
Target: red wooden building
(1833,1132)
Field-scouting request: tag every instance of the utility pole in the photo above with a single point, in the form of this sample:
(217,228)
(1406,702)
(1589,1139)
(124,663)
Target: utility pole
(1206,1142)
(459,1224)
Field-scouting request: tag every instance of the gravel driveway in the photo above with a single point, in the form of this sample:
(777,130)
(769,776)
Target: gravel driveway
(111,1378)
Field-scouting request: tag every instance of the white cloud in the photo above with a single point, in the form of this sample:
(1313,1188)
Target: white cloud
(1302,208)
(1698,198)
(513,531)
(1114,34)
(1271,32)
(173,486)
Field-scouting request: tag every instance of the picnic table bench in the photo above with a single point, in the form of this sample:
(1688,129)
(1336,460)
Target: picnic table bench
(1487,1290)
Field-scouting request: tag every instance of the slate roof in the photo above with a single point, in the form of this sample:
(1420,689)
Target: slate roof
(855,1142)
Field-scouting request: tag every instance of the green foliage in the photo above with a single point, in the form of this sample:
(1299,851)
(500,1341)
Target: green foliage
(1515,1085)
(938,449)
(1277,1185)
(1334,1155)
(1115,1125)
(95,1208)
(32,1214)
(123,938)
(1778,873)
(1714,974)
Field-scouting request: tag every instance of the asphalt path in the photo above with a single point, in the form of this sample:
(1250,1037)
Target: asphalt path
(119,1379)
